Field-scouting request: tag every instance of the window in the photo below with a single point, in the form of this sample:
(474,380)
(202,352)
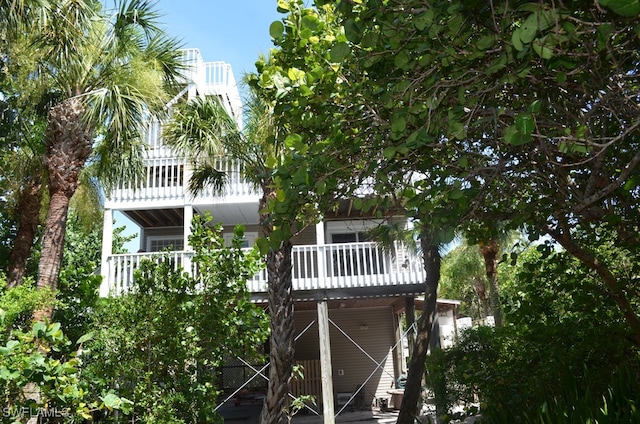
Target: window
(160,243)
(349,237)
(355,259)
(249,239)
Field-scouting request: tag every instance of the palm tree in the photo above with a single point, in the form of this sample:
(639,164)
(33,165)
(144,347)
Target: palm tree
(27,206)
(490,251)
(201,130)
(108,72)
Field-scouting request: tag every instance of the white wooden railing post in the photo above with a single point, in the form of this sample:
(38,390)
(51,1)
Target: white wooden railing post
(107,241)
(188,217)
(321,254)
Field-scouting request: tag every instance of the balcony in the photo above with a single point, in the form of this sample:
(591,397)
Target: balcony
(332,271)
(165,183)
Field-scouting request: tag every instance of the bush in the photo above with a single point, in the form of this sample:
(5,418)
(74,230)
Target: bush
(565,356)
(161,344)
(41,371)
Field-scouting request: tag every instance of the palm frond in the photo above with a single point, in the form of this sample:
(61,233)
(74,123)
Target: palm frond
(119,164)
(200,127)
(140,13)
(206,175)
(164,52)
(388,234)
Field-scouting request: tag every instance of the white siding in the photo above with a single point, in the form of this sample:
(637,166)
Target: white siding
(370,328)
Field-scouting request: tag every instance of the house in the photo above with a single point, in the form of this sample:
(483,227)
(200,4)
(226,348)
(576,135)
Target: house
(349,292)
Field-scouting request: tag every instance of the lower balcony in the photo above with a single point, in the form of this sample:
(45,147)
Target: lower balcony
(331,271)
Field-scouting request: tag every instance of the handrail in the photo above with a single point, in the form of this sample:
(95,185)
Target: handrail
(314,267)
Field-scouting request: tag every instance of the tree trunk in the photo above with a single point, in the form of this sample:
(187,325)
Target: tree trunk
(489,252)
(481,292)
(28,212)
(68,147)
(614,287)
(412,390)
(281,354)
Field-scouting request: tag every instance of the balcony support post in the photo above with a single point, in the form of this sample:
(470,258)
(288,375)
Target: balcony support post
(107,242)
(188,217)
(325,363)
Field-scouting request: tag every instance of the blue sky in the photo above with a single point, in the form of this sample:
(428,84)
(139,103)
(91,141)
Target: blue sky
(233,31)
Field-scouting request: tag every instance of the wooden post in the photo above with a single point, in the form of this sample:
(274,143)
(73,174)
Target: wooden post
(410,318)
(399,362)
(325,363)
(107,240)
(188,217)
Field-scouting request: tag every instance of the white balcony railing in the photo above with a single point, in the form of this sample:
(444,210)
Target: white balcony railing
(166,180)
(326,267)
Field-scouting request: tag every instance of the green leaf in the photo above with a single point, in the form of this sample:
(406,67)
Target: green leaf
(85,338)
(5,374)
(352,31)
(542,49)
(456,194)
(263,245)
(39,329)
(485,42)
(398,124)
(458,130)
(568,147)
(295,74)
(300,177)
(402,59)
(525,124)
(53,328)
(321,187)
(283,6)
(339,52)
(111,401)
(498,64)
(516,40)
(629,8)
(514,136)
(389,153)
(529,29)
(310,21)
(276,30)
(423,20)
(535,106)
(292,141)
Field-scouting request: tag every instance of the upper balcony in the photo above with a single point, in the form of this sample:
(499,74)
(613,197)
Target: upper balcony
(166,183)
(167,175)
(330,271)
(212,79)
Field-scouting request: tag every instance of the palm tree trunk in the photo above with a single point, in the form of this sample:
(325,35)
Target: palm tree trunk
(281,354)
(28,211)
(412,392)
(68,147)
(490,251)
